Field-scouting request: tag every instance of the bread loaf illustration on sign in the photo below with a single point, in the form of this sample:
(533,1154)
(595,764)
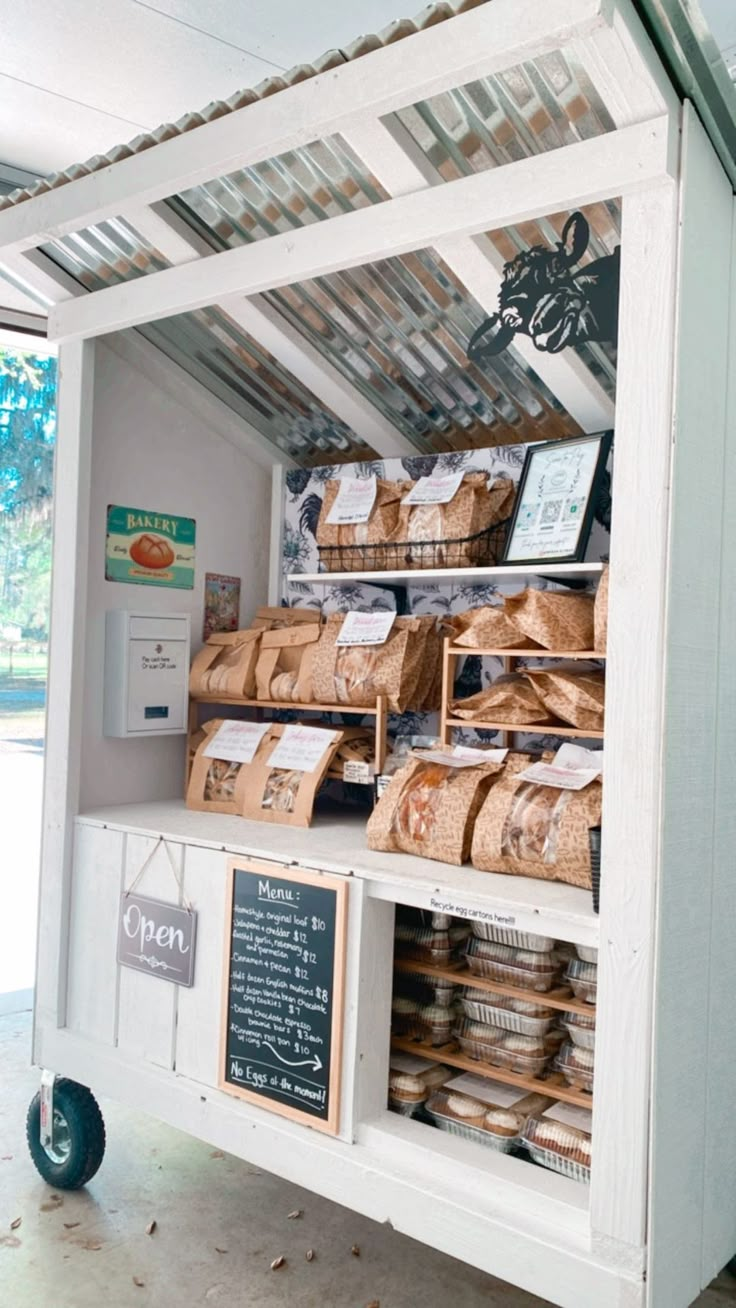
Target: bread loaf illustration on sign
(152,552)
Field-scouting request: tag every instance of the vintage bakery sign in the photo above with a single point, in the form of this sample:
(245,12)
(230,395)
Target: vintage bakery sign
(148,548)
(157,938)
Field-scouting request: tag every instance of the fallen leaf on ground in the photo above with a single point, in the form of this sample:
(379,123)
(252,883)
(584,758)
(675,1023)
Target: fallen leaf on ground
(373,1304)
(7,1158)
(296,1213)
(220,1250)
(51,1205)
(137,1281)
(71,1225)
(15,1223)
(355,1251)
(91,1245)
(10,1241)
(309,1255)
(151,1227)
(278,1262)
(217,1153)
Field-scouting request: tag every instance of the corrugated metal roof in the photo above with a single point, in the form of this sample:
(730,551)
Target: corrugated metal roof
(397,329)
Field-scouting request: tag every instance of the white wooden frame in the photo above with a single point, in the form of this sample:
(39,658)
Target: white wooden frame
(535,1229)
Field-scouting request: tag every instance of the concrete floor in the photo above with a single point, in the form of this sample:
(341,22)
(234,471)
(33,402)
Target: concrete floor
(219,1222)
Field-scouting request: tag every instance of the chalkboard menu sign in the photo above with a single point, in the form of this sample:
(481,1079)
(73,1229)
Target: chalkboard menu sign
(282,1029)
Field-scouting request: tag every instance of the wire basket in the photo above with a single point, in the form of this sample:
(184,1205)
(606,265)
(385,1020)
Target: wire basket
(480,550)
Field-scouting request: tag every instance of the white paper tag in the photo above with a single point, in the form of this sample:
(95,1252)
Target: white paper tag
(573,768)
(300,749)
(568,1115)
(383,781)
(458,756)
(354,501)
(437,489)
(412,1064)
(236,742)
(357,771)
(488,1092)
(366,628)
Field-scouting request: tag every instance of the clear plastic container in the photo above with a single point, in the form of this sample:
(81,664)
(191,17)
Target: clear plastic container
(563,1149)
(576,1065)
(474,1006)
(587,954)
(518,939)
(407,1091)
(495,1128)
(431,1022)
(493,950)
(583,980)
(531,1007)
(425,944)
(426,989)
(491,1044)
(580,1029)
(511,974)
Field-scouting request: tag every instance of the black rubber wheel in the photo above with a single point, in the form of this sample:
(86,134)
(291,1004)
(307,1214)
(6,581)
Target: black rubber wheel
(79,1137)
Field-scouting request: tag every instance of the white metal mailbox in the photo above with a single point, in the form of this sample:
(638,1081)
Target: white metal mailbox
(146,673)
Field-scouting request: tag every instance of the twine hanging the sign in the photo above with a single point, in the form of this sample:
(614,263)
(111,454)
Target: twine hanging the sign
(176,874)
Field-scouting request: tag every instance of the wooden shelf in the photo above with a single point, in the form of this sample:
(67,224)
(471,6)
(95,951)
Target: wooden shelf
(459,651)
(530,728)
(282,704)
(554,1086)
(415,576)
(562,998)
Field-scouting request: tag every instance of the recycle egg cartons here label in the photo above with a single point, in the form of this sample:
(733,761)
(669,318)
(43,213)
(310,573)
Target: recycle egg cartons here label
(300,749)
(366,628)
(439,489)
(236,742)
(354,501)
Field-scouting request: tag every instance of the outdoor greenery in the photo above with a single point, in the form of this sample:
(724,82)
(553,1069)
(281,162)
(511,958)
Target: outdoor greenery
(27,433)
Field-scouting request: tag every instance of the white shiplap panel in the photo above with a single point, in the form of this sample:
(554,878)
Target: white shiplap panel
(719,1213)
(198,1026)
(93,969)
(147,1004)
(681,1073)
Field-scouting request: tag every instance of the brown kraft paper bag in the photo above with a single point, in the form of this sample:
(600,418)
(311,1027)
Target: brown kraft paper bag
(472,509)
(380,528)
(571,694)
(358,674)
(601,613)
(280,659)
(272,617)
(511,698)
(489,627)
(552,619)
(216,785)
(536,831)
(428,809)
(285,795)
(226,665)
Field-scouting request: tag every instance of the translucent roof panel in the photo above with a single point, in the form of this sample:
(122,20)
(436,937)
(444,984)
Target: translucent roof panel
(399,330)
(527,110)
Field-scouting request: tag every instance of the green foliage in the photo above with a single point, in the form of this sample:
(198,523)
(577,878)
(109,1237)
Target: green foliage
(27,433)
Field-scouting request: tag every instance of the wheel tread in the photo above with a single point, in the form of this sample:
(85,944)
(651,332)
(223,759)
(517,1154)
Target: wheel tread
(87,1129)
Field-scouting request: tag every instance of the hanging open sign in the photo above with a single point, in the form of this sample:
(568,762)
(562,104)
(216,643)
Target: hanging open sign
(157,938)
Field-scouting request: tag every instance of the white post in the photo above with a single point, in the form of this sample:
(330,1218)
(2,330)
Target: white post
(66,679)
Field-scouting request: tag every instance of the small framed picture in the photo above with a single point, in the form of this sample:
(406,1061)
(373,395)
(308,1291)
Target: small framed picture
(556,500)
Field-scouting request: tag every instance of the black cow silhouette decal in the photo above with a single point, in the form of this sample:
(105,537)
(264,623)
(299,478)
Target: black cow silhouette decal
(543,297)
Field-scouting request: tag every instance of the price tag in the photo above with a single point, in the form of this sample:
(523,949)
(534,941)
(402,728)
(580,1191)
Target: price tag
(354,501)
(568,1115)
(411,1064)
(366,628)
(357,771)
(488,1092)
(383,781)
(236,742)
(460,756)
(300,749)
(573,768)
(438,489)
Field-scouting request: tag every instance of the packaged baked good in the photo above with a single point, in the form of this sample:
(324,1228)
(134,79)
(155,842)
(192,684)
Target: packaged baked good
(576,1064)
(582,979)
(575,695)
(488,627)
(524,1054)
(510,698)
(560,1138)
(426,989)
(411,1080)
(587,953)
(280,658)
(449,528)
(473,1114)
(432,1023)
(522,968)
(425,944)
(580,1029)
(518,939)
(217,784)
(536,831)
(535,1021)
(601,613)
(554,620)
(342,546)
(226,665)
(281,789)
(358,745)
(358,674)
(429,808)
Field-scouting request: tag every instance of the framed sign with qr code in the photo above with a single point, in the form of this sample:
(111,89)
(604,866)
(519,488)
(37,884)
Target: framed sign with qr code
(556,500)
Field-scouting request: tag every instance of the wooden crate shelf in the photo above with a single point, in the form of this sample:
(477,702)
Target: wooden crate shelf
(458,651)
(554,1086)
(530,728)
(561,998)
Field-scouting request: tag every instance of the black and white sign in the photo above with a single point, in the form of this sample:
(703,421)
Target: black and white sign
(157,938)
(283,1008)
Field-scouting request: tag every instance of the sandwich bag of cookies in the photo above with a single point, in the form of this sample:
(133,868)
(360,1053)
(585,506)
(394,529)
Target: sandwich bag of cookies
(286,773)
(218,777)
(226,664)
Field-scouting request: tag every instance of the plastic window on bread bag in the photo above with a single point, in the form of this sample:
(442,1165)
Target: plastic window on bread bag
(416,812)
(353,675)
(216,676)
(532,825)
(220,780)
(281,790)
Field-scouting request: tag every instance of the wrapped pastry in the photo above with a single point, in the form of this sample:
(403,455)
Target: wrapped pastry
(473,508)
(358,674)
(428,808)
(488,627)
(284,794)
(217,785)
(571,694)
(601,613)
(511,698)
(556,620)
(226,665)
(337,543)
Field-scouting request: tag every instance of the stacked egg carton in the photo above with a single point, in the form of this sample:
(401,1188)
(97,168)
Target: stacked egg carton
(576,1057)
(423,1006)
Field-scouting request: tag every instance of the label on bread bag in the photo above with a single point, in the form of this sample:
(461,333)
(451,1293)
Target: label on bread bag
(495,1093)
(357,771)
(437,489)
(460,756)
(572,768)
(366,628)
(236,742)
(301,749)
(354,501)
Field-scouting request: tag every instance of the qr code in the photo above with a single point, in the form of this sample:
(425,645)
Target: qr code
(551,511)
